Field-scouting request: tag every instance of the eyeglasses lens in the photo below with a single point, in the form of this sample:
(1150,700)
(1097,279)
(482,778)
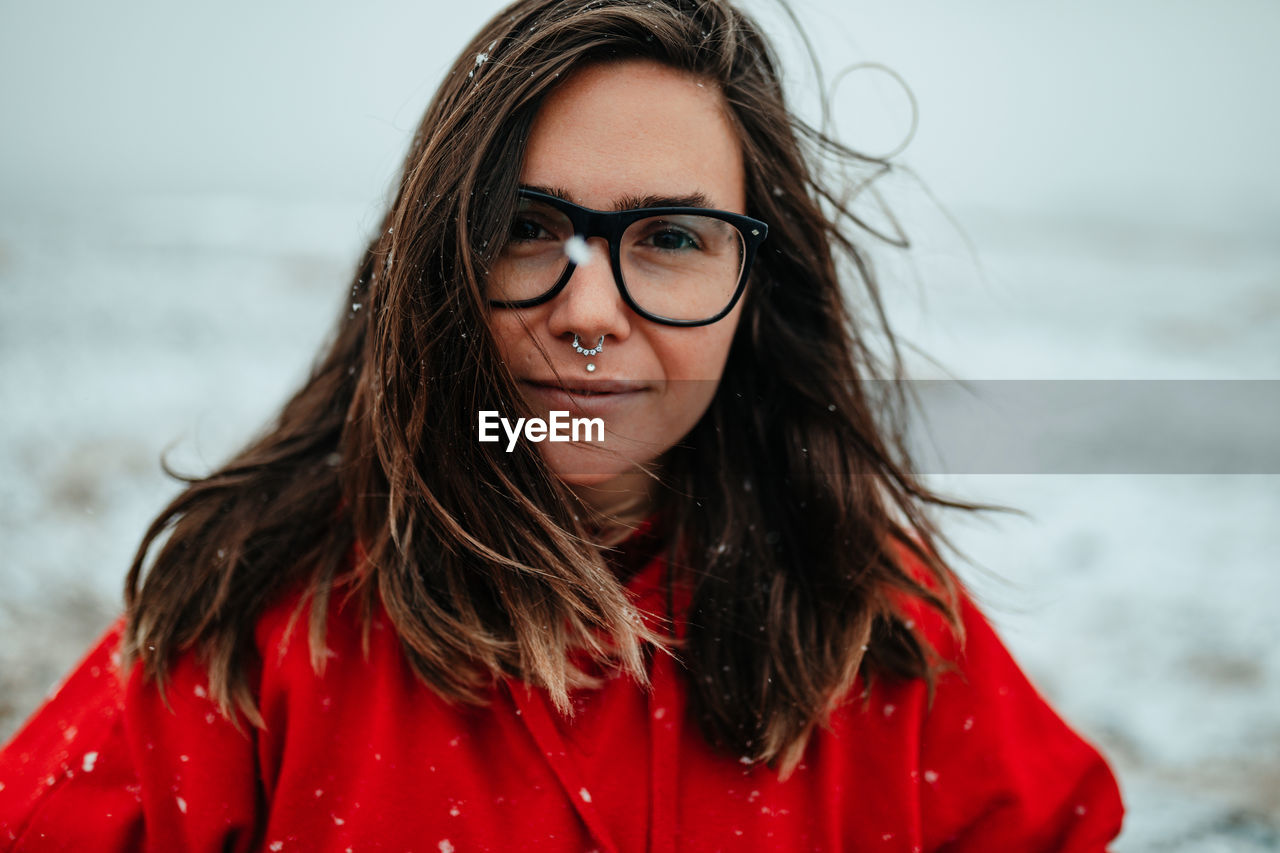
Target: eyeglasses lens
(682,267)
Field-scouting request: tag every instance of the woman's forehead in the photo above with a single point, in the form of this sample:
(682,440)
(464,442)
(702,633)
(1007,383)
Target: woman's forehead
(618,132)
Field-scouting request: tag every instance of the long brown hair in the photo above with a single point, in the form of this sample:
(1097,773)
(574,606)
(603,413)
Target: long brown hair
(789,501)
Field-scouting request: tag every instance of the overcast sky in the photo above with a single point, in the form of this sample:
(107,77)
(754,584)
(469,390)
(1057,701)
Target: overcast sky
(1161,112)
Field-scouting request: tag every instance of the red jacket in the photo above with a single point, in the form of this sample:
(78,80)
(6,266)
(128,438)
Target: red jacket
(365,757)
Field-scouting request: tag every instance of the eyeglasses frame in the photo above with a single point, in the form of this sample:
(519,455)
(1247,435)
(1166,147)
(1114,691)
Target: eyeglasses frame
(610,224)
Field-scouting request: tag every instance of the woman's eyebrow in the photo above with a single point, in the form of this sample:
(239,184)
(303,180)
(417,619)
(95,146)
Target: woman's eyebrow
(632,202)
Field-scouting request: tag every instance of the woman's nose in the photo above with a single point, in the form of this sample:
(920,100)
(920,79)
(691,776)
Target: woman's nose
(591,304)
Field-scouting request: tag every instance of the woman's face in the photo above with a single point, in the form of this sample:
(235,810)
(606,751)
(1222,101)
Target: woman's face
(612,134)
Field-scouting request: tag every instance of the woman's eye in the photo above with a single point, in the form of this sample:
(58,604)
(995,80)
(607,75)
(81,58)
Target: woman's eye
(672,240)
(527,229)
(523,229)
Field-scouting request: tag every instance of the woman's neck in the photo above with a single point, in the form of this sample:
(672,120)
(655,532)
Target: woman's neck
(621,504)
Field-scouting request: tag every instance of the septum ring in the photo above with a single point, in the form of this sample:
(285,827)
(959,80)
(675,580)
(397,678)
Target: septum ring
(578,347)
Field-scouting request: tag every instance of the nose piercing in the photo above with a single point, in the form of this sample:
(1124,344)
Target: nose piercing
(578,347)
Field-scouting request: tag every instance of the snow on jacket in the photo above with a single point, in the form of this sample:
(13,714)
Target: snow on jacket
(365,758)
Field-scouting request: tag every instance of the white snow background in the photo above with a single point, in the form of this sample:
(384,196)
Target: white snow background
(184,190)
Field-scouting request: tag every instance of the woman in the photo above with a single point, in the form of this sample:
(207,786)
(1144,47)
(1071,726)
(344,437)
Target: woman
(715,620)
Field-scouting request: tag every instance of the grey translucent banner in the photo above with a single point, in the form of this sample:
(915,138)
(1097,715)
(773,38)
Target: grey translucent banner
(977,426)
(1096,426)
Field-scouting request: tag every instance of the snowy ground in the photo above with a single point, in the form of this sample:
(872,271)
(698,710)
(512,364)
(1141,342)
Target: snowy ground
(1143,605)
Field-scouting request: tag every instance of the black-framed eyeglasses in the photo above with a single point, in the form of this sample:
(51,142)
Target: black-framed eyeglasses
(680,266)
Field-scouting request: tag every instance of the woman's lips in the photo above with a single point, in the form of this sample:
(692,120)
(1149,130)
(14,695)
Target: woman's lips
(589,396)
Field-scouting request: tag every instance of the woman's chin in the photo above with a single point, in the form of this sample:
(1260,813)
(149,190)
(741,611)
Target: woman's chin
(586,466)
(598,476)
